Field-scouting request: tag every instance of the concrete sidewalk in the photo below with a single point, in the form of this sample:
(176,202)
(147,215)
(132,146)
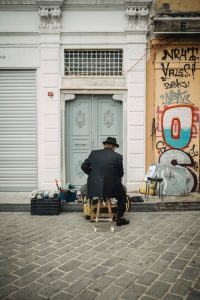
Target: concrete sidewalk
(19,201)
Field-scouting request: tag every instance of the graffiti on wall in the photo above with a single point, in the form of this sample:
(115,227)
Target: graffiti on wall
(177,114)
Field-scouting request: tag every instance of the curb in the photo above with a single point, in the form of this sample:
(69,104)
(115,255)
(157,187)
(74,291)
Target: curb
(135,207)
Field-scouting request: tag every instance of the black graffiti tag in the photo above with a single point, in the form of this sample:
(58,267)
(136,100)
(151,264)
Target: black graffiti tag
(193,152)
(184,54)
(186,71)
(175,84)
(160,146)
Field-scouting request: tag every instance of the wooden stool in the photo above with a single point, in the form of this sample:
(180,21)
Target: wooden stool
(104,217)
(157,180)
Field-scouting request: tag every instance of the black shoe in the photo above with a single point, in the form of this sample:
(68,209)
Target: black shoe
(122,221)
(134,199)
(140,199)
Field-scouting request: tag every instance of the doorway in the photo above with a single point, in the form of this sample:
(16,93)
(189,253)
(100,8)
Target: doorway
(89,120)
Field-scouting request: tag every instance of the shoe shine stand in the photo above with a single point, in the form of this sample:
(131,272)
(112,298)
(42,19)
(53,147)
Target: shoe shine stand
(100,217)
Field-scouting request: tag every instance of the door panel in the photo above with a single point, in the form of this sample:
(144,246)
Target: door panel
(89,121)
(108,120)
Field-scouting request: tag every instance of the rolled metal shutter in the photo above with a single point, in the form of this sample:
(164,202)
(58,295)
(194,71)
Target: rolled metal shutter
(18,130)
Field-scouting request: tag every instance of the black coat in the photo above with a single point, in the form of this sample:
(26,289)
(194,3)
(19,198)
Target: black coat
(105,170)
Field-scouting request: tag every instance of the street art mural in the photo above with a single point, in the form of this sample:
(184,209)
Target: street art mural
(177,106)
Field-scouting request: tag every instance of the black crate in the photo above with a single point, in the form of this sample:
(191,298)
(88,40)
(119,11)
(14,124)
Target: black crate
(45,206)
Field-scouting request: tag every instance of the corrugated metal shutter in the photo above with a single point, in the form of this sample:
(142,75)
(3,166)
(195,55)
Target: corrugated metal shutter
(18,150)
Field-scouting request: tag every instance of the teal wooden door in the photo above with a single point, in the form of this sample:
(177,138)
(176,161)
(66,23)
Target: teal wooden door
(89,121)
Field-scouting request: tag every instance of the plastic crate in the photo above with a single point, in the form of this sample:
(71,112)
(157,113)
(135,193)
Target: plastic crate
(45,206)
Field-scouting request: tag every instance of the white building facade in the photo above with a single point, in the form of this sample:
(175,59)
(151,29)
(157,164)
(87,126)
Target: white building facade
(72,72)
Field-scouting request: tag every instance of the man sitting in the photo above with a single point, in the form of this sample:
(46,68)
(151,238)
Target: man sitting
(105,170)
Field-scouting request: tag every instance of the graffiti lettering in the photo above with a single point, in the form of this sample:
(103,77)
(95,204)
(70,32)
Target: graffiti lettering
(160,146)
(175,84)
(193,152)
(177,157)
(158,123)
(175,97)
(181,54)
(196,166)
(186,71)
(176,126)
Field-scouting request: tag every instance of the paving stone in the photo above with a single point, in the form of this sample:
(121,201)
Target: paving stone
(170,275)
(48,258)
(169,240)
(186,254)
(97,272)
(48,267)
(190,273)
(67,249)
(66,257)
(25,261)
(139,268)
(179,264)
(6,279)
(197,284)
(70,265)
(147,278)
(86,295)
(195,262)
(7,290)
(80,284)
(62,296)
(126,279)
(117,270)
(111,292)
(28,292)
(161,248)
(145,297)
(176,248)
(87,256)
(101,283)
(193,245)
(159,266)
(53,288)
(181,287)
(73,275)
(27,279)
(50,277)
(7,268)
(184,240)
(131,259)
(172,297)
(134,292)
(90,264)
(101,247)
(112,261)
(168,256)
(26,269)
(158,289)
(193,295)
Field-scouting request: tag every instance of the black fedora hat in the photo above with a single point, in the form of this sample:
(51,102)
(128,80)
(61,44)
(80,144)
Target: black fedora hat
(112,141)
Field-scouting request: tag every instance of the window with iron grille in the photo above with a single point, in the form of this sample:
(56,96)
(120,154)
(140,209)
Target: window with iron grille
(93,62)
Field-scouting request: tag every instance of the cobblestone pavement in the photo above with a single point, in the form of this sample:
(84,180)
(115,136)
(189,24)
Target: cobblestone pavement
(157,256)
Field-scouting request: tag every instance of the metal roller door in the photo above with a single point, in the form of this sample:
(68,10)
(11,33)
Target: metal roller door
(18,151)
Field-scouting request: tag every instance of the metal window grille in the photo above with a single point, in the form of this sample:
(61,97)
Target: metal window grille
(94,62)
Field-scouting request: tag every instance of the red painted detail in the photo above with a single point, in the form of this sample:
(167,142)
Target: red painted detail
(175,128)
